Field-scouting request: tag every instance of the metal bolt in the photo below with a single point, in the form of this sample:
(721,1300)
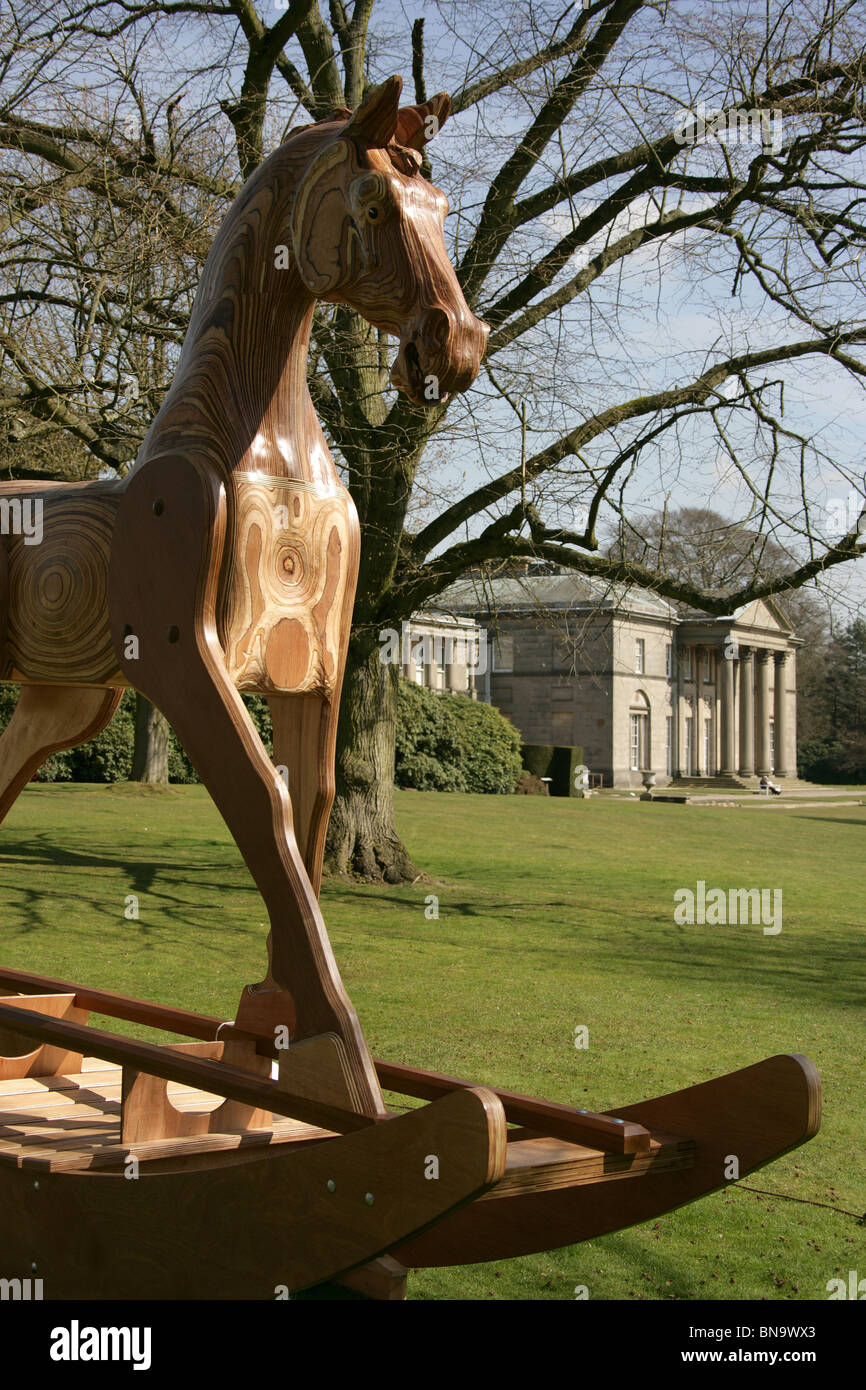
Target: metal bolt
(369,1199)
(158,507)
(33,1266)
(331,1185)
(173,634)
(36,1186)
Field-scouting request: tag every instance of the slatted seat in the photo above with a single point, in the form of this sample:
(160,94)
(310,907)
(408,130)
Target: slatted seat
(65,1123)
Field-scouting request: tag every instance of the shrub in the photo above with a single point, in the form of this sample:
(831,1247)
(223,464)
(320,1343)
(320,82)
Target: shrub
(447,742)
(557,764)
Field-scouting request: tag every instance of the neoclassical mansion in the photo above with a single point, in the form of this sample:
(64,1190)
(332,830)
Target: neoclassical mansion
(639,685)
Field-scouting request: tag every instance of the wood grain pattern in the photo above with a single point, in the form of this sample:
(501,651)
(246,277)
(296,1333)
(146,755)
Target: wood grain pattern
(187,1070)
(21,1059)
(755,1114)
(73,1121)
(611,1134)
(45,720)
(149,1111)
(227,559)
(294,1217)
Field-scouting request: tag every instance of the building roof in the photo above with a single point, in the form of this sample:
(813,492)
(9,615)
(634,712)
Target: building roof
(551,593)
(569,591)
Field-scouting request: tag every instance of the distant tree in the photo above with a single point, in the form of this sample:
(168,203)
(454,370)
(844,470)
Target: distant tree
(840,752)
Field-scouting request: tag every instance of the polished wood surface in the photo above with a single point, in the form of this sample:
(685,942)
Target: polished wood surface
(227,559)
(73,1121)
(177,1066)
(754,1114)
(612,1134)
(295,1216)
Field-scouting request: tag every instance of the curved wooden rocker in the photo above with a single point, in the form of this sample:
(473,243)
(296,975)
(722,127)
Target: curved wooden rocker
(225,562)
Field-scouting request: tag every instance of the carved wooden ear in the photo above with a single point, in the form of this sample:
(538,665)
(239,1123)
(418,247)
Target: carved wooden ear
(418,124)
(375,120)
(324,248)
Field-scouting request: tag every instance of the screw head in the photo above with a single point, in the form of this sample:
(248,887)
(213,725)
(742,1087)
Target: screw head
(331,1185)
(36,1185)
(158,506)
(33,1266)
(173,633)
(369,1199)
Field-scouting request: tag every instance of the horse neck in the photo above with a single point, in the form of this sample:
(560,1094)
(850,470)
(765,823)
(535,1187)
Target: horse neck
(240,392)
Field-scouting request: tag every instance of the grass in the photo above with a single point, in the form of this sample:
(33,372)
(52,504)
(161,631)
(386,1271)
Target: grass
(551,913)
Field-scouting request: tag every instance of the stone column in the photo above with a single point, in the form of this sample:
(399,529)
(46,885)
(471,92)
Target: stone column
(726,704)
(747,712)
(781,713)
(762,712)
(697,715)
(455,664)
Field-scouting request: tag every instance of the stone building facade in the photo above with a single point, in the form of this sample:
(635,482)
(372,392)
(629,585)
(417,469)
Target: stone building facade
(619,672)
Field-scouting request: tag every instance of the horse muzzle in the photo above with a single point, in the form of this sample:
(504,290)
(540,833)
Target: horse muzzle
(440,353)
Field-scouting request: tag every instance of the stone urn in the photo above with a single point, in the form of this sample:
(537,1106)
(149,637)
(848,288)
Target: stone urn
(649,781)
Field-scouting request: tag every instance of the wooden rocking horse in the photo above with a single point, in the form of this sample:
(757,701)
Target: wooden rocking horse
(226,561)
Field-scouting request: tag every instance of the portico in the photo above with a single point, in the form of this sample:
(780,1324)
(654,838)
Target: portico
(749,679)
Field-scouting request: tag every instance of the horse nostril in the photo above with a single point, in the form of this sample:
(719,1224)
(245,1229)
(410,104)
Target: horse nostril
(438,328)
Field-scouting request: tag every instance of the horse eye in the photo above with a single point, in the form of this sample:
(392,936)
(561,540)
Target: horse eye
(372,214)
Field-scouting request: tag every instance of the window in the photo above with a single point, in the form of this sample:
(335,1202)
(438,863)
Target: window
(503,653)
(709,760)
(690,746)
(689,663)
(640,656)
(708,668)
(772,745)
(669,660)
(636,721)
(669,744)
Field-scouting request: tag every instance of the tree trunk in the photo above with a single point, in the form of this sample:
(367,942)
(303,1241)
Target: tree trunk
(362,836)
(150,754)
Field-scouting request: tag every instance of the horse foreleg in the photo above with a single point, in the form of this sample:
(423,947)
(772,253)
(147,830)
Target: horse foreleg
(48,719)
(164,576)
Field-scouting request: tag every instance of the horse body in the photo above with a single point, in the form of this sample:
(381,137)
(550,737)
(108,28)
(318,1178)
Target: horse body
(227,559)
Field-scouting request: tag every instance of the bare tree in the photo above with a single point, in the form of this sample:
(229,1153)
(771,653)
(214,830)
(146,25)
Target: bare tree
(658,208)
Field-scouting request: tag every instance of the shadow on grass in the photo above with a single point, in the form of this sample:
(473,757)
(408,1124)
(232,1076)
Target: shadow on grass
(176,891)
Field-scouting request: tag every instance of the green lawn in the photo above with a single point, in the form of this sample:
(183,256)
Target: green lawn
(552,913)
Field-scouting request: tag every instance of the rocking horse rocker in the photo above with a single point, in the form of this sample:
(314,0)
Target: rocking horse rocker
(225,562)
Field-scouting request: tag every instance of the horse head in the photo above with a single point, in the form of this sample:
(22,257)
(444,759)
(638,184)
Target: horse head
(367,231)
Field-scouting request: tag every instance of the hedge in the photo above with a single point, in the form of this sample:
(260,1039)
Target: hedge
(557,763)
(450,743)
(108,757)
(445,742)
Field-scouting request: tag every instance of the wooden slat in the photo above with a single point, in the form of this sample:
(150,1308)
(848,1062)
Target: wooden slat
(192,1071)
(756,1113)
(548,1165)
(560,1121)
